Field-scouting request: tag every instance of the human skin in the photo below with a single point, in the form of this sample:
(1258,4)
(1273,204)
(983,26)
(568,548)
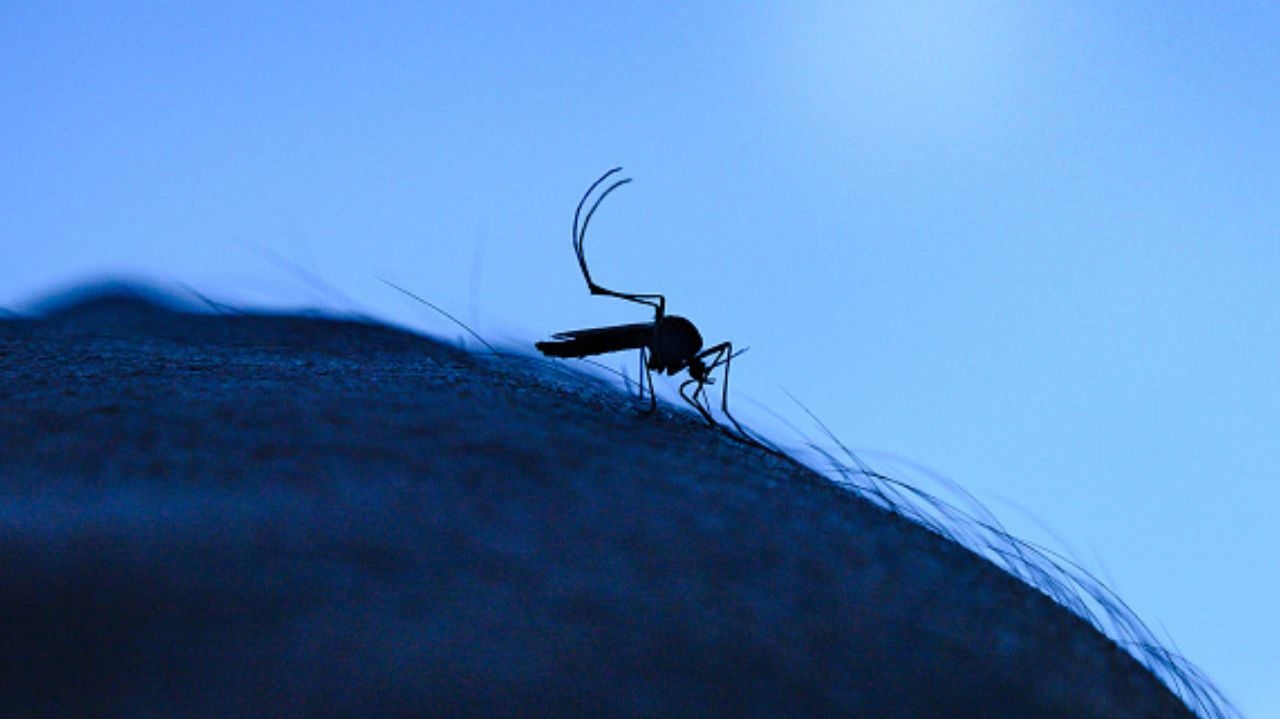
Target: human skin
(252,515)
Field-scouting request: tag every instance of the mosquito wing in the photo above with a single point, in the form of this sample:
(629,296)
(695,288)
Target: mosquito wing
(598,340)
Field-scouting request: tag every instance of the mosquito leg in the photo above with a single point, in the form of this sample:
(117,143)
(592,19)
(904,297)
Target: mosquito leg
(656,301)
(723,354)
(640,375)
(724,391)
(578,212)
(645,372)
(580,231)
(653,396)
(695,401)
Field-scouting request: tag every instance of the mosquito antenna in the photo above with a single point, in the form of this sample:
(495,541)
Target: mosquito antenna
(725,360)
(453,319)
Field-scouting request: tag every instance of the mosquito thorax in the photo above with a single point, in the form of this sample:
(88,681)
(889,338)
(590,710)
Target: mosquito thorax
(677,326)
(675,342)
(698,370)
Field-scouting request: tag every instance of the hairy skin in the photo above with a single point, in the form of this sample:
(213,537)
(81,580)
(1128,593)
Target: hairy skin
(249,515)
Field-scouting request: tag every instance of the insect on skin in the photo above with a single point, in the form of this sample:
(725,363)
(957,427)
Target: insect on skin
(667,344)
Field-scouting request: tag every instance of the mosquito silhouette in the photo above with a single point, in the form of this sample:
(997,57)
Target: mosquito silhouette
(667,344)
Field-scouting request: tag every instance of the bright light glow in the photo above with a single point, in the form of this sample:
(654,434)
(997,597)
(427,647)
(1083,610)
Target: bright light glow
(929,63)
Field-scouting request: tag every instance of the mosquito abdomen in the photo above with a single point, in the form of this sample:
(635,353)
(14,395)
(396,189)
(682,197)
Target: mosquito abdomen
(599,340)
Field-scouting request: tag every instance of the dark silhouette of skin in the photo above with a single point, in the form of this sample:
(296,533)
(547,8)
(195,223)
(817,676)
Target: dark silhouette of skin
(281,516)
(668,344)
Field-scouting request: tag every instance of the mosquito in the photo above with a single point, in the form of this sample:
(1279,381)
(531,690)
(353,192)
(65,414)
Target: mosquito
(669,343)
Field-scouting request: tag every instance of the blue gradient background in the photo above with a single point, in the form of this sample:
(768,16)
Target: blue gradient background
(1033,246)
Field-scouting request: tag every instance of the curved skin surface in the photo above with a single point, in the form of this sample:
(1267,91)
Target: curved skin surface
(252,515)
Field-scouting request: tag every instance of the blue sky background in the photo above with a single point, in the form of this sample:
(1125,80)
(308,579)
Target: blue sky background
(1034,246)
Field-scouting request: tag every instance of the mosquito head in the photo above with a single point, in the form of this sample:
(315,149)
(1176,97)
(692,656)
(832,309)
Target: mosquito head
(699,371)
